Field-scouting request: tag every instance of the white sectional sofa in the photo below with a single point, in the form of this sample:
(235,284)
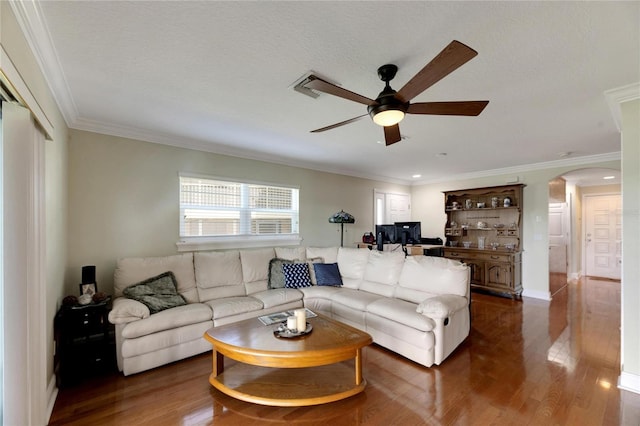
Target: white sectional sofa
(417,306)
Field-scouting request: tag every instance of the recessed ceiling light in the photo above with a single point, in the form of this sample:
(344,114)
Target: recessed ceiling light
(416,176)
(609,177)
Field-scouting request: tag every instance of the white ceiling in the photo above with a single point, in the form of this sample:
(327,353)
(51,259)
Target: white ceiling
(218,76)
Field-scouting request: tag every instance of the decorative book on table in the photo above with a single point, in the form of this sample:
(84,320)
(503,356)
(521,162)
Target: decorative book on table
(282,316)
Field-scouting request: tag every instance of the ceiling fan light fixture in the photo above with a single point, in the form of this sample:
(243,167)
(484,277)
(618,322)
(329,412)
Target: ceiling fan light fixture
(388,117)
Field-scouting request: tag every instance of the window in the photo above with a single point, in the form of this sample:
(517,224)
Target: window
(216,211)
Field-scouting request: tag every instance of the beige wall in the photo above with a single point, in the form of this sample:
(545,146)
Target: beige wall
(631,244)
(428,208)
(123,199)
(17,48)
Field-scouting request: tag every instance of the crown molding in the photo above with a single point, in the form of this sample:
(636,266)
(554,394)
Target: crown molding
(620,95)
(30,18)
(567,162)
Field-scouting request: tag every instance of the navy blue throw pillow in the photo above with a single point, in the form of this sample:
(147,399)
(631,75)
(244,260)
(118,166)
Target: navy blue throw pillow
(327,274)
(296,275)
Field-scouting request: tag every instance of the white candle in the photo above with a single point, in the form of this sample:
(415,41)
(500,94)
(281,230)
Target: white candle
(301,319)
(291,323)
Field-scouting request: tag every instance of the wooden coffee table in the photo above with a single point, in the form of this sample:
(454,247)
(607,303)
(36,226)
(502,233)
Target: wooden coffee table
(306,370)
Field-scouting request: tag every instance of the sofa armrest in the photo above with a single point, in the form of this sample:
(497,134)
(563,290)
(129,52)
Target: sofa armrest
(126,310)
(442,306)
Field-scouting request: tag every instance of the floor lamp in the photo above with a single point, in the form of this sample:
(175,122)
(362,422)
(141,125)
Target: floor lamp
(341,217)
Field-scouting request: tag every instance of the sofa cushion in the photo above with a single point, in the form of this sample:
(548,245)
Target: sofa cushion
(296,275)
(401,311)
(327,254)
(164,339)
(278,296)
(218,274)
(435,275)
(255,264)
(157,293)
(352,263)
(229,306)
(291,253)
(276,274)
(327,274)
(355,299)
(132,270)
(382,272)
(192,313)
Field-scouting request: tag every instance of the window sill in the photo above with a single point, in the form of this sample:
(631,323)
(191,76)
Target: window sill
(236,242)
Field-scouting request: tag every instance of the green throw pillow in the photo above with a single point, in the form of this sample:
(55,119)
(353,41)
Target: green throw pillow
(158,293)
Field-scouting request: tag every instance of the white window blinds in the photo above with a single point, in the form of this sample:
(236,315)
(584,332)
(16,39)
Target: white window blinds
(214,207)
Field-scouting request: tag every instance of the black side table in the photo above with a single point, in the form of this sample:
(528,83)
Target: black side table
(85,342)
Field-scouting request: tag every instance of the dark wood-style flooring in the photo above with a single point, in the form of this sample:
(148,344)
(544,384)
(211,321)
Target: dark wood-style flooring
(526,362)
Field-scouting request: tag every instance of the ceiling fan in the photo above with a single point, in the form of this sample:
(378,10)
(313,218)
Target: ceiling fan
(390,107)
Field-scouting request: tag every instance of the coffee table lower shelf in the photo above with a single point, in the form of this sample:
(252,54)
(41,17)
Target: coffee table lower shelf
(288,387)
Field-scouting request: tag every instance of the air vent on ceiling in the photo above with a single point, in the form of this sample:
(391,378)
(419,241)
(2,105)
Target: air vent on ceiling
(299,86)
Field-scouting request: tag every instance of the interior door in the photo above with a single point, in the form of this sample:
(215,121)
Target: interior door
(603,236)
(398,207)
(390,208)
(558,234)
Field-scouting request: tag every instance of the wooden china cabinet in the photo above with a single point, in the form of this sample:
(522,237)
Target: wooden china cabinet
(483,230)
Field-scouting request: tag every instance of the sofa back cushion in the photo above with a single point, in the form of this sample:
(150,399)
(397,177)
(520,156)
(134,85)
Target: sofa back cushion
(424,276)
(132,270)
(218,274)
(327,254)
(382,272)
(291,253)
(352,263)
(255,268)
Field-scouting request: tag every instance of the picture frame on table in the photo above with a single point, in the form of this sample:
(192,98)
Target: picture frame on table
(88,288)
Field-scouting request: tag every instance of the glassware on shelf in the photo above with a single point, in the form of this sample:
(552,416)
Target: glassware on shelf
(481,243)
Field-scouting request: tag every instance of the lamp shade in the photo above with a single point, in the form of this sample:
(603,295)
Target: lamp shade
(342,217)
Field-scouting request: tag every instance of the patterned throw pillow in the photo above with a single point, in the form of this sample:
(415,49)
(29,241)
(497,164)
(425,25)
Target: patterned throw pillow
(296,275)
(327,274)
(158,293)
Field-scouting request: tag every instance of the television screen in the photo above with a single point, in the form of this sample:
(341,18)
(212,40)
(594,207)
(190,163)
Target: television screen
(408,232)
(388,234)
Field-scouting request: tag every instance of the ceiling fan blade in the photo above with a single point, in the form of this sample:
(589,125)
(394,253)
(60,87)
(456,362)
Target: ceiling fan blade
(472,108)
(392,134)
(342,123)
(320,85)
(453,56)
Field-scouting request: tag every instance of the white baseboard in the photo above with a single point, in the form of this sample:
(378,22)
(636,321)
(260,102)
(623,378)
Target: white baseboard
(52,394)
(629,382)
(535,294)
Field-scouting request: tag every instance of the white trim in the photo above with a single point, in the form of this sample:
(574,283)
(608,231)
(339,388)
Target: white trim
(236,242)
(13,80)
(52,394)
(629,382)
(29,16)
(619,95)
(235,180)
(535,294)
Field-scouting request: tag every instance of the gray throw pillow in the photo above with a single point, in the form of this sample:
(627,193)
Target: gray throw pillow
(158,293)
(276,276)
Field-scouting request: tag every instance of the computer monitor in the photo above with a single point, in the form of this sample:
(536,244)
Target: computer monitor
(385,234)
(408,232)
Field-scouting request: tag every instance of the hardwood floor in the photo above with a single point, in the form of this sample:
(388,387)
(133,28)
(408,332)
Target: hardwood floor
(526,362)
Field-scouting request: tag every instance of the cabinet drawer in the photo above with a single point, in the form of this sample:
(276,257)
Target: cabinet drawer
(494,257)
